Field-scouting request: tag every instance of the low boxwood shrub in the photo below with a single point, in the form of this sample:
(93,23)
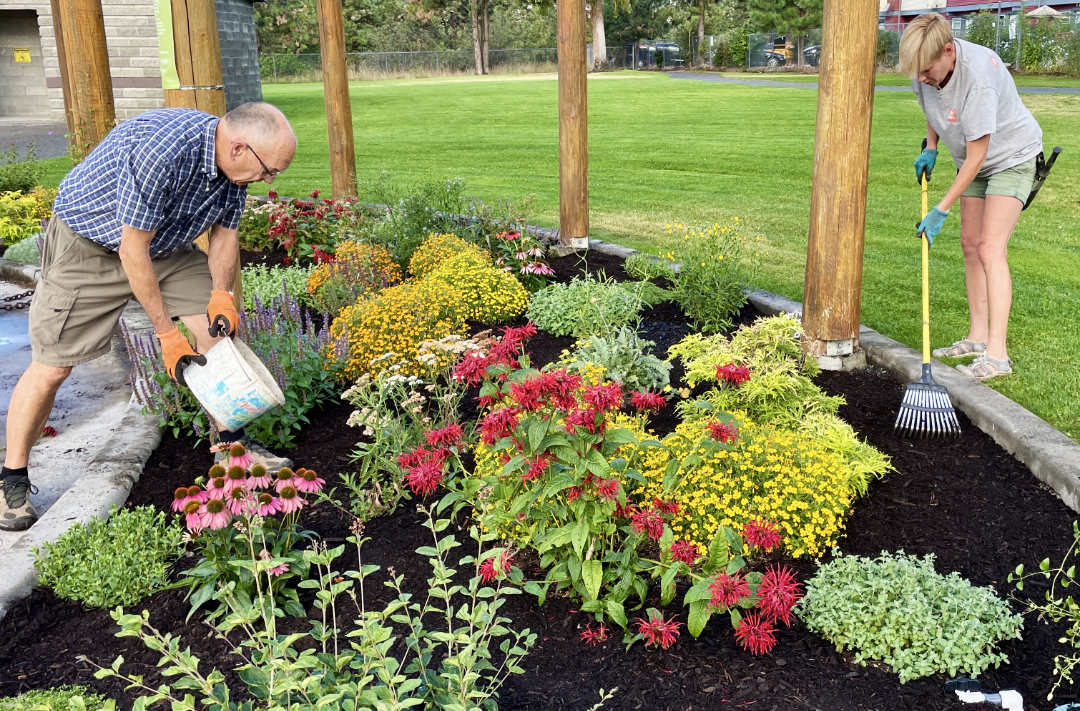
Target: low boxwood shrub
(898,610)
(385,330)
(492,296)
(584,307)
(117,561)
(61,698)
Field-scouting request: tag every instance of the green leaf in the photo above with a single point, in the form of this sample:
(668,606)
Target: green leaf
(617,613)
(667,585)
(580,535)
(698,617)
(537,430)
(592,573)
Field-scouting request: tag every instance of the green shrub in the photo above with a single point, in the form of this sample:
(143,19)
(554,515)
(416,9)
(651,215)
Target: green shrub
(117,561)
(712,274)
(624,357)
(25,250)
(254,228)
(62,698)
(18,218)
(19,174)
(584,307)
(412,213)
(896,609)
(265,284)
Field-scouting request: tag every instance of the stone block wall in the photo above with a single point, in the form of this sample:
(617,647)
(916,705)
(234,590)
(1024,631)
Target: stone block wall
(239,51)
(22,84)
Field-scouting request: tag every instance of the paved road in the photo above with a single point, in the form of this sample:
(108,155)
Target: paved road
(777,83)
(48,137)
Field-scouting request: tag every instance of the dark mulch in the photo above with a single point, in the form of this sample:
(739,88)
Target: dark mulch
(965,500)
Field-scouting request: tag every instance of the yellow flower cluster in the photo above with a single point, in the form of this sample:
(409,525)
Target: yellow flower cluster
(358,269)
(492,295)
(437,248)
(768,474)
(385,330)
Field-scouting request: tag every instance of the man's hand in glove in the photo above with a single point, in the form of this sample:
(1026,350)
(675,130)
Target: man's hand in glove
(931,225)
(222,313)
(177,353)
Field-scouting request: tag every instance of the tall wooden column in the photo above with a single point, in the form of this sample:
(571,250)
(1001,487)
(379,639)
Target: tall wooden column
(198,58)
(834,255)
(573,127)
(336,94)
(84,72)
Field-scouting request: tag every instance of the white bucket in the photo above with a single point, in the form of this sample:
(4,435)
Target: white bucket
(234,386)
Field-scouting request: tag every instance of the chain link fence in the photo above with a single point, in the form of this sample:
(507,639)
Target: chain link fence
(282,68)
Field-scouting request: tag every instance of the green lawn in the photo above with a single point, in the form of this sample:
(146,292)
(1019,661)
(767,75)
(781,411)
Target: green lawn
(664,150)
(895,79)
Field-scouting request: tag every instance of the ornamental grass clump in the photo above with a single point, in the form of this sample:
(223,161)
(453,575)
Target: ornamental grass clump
(386,329)
(492,296)
(117,561)
(896,609)
(437,248)
(731,473)
(356,270)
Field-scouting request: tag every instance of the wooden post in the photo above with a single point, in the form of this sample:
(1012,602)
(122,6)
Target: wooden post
(88,93)
(336,95)
(841,161)
(198,58)
(573,127)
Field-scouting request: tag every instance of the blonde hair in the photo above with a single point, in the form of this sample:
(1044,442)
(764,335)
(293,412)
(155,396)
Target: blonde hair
(923,41)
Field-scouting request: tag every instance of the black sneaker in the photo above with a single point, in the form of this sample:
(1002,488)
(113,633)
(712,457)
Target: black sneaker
(16,511)
(261,454)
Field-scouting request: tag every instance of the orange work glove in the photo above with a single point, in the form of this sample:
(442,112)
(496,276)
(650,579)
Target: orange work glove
(222,313)
(177,353)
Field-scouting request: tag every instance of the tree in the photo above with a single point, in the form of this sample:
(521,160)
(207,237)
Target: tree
(791,17)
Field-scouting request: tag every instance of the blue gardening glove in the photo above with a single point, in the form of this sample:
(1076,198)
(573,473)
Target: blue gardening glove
(925,164)
(931,225)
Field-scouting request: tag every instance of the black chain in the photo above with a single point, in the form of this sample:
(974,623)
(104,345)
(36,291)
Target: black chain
(15,307)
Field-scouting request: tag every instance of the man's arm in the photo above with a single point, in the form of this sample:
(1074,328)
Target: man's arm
(976,155)
(223,254)
(135,257)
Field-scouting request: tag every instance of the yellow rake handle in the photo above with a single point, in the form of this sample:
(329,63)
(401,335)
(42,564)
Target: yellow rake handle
(925,280)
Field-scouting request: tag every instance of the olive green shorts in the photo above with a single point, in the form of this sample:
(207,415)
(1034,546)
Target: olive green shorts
(1014,182)
(83,291)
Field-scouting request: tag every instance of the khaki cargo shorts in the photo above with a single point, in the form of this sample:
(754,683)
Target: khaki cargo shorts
(1014,182)
(83,291)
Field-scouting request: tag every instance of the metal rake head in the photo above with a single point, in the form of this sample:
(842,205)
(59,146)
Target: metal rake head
(926,411)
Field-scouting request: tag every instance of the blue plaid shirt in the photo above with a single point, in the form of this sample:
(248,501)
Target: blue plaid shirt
(154,172)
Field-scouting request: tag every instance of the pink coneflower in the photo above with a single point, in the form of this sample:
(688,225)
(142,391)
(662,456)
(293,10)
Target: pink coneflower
(258,477)
(265,504)
(215,489)
(728,590)
(446,436)
(193,516)
(733,374)
(723,432)
(216,472)
(685,550)
(285,477)
(308,482)
(235,478)
(594,636)
(239,456)
(658,631)
(180,499)
(646,400)
(756,633)
(778,593)
(649,521)
(215,514)
(761,534)
(289,499)
(237,500)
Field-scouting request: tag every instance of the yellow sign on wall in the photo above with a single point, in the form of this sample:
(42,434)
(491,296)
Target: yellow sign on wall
(22,55)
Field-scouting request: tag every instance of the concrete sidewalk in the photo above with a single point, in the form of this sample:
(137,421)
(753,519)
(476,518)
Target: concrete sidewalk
(103,443)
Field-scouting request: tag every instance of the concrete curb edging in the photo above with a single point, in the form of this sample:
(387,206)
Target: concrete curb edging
(1051,456)
(107,482)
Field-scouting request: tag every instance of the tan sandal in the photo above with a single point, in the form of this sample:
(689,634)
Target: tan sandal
(959,349)
(984,368)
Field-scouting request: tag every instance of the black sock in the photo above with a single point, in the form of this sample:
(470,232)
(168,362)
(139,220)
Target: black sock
(19,473)
(234,436)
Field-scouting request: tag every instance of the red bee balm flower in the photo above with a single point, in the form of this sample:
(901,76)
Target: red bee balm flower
(498,424)
(685,551)
(425,477)
(488,570)
(537,466)
(731,373)
(728,590)
(755,633)
(644,400)
(722,432)
(649,521)
(778,593)
(594,636)
(449,435)
(658,631)
(761,534)
(604,397)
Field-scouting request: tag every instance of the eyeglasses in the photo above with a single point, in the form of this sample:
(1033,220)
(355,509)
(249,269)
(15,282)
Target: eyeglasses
(267,170)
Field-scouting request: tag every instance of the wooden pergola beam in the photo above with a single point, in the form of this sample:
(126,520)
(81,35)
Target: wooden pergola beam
(573,127)
(84,71)
(832,301)
(336,96)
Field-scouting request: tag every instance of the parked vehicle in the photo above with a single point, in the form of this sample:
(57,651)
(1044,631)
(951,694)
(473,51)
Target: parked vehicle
(812,55)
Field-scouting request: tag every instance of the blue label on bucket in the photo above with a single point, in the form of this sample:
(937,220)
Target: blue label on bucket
(241,408)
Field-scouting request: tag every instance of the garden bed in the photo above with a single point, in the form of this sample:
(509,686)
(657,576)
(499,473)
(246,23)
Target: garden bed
(966,500)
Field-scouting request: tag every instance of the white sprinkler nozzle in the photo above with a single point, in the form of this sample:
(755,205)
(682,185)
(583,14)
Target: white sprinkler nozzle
(1008,699)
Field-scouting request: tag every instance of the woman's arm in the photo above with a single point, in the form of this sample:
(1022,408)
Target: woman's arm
(976,155)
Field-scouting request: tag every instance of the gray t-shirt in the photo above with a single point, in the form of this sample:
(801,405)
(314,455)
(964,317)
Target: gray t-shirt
(981,99)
